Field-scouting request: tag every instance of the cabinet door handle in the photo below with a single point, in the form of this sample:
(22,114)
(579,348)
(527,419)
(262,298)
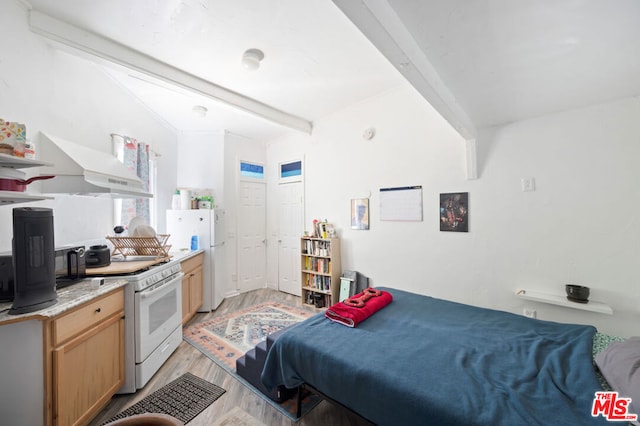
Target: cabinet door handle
(99,310)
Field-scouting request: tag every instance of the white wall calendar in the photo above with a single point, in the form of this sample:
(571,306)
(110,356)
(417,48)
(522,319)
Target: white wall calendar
(401,203)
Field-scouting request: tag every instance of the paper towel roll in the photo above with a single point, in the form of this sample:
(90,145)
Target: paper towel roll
(185,199)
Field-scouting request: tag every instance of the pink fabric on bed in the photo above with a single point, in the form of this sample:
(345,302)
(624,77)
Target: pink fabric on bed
(352,316)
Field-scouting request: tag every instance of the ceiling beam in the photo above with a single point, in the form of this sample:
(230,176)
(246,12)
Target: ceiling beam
(378,21)
(112,51)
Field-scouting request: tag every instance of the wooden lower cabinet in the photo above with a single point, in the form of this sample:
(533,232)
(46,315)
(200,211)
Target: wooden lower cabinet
(191,286)
(87,359)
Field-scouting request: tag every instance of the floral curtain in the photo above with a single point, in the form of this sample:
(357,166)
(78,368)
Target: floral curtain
(135,156)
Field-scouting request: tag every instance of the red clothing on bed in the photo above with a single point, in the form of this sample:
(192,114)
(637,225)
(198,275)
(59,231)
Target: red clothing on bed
(351,316)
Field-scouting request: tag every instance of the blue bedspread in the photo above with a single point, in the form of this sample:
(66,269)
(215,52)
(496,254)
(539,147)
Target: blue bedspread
(422,360)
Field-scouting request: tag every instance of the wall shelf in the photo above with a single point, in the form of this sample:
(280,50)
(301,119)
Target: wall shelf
(14,197)
(20,163)
(11,197)
(554,299)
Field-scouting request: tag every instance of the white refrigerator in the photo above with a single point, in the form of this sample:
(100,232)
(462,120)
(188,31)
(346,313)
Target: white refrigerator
(208,225)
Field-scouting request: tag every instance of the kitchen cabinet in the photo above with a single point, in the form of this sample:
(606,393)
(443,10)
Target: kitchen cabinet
(191,286)
(12,197)
(86,347)
(61,364)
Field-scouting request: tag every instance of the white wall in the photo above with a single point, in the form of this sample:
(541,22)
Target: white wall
(578,226)
(200,162)
(72,98)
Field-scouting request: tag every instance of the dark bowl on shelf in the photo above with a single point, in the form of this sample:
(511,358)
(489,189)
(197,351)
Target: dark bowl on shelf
(577,293)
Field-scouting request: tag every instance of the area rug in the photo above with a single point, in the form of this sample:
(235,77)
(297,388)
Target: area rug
(237,417)
(183,398)
(226,337)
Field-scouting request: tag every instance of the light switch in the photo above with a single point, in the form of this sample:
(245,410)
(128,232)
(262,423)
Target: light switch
(528,184)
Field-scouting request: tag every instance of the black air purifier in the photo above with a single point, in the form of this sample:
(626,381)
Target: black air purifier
(6,277)
(33,260)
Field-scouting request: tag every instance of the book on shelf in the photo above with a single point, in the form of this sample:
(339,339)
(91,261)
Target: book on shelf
(318,300)
(316,248)
(321,266)
(318,282)
(324,230)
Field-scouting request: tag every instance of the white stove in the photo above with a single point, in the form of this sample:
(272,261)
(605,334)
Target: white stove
(153,320)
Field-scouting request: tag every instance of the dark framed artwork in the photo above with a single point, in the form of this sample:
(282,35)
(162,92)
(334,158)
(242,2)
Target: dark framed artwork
(360,213)
(454,212)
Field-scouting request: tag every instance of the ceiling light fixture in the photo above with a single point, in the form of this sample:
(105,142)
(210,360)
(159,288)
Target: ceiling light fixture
(199,110)
(251,59)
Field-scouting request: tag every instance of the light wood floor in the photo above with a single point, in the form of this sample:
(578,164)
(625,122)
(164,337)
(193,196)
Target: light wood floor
(188,359)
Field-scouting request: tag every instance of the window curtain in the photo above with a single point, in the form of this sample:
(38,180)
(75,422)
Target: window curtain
(135,156)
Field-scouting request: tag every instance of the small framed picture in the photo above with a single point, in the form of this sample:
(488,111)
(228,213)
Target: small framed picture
(360,213)
(454,212)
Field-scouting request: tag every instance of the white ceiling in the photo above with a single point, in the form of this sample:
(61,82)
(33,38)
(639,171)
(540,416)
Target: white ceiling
(480,63)
(316,61)
(489,62)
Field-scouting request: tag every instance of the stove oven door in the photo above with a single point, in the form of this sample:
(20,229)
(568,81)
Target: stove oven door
(158,312)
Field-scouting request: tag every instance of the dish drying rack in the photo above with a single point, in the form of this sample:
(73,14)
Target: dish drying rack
(141,246)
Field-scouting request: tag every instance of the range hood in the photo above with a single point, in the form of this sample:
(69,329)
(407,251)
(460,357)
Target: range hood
(81,170)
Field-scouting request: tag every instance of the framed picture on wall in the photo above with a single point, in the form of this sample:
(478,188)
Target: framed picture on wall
(454,212)
(360,213)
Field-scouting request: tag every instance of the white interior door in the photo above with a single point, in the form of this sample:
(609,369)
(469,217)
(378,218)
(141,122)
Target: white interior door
(252,257)
(290,213)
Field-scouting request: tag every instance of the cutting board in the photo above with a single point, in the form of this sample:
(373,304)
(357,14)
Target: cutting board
(121,268)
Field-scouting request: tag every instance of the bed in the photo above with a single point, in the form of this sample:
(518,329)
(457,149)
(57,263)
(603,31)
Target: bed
(422,360)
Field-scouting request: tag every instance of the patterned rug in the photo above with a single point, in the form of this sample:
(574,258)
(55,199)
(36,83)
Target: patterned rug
(226,337)
(183,398)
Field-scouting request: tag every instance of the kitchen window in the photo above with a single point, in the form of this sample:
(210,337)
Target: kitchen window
(140,159)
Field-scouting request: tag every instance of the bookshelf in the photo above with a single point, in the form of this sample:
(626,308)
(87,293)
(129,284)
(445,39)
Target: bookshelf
(321,269)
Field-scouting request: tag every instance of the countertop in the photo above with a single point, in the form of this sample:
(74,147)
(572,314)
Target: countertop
(77,294)
(132,264)
(124,267)
(68,298)
(184,255)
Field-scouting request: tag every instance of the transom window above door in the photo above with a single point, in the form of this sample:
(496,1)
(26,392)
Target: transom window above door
(251,170)
(291,171)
